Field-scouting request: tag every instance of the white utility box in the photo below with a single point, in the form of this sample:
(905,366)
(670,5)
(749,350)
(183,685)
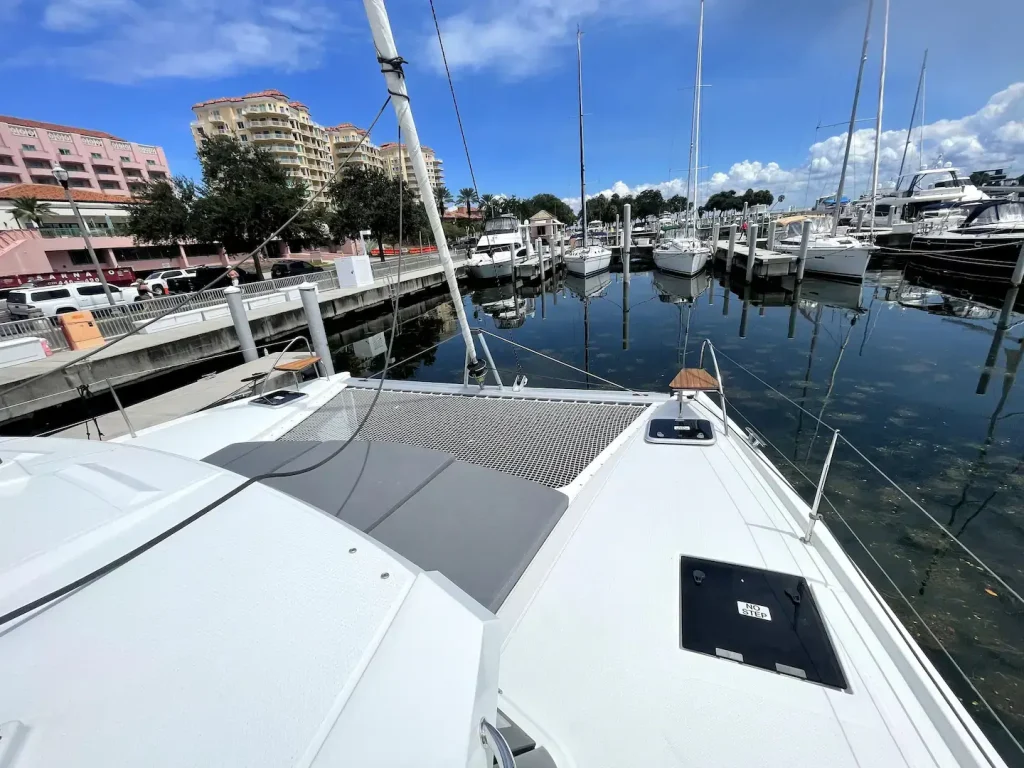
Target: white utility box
(354,271)
(21,350)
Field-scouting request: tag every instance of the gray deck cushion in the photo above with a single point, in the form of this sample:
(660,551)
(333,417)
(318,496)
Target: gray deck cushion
(478,526)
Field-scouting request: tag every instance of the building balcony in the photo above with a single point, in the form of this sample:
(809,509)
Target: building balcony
(41,176)
(283,149)
(216,119)
(72,158)
(35,154)
(106,172)
(132,165)
(269,137)
(73,230)
(288,161)
(78,174)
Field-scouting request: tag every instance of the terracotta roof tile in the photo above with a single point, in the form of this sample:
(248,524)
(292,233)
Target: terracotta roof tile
(57,127)
(56,193)
(271,94)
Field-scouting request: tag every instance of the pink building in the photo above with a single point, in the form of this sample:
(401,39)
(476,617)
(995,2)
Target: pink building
(94,160)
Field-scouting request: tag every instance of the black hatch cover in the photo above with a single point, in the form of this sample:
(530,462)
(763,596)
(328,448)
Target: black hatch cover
(756,617)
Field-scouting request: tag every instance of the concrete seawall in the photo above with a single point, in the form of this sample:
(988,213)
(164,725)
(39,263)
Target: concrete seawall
(143,356)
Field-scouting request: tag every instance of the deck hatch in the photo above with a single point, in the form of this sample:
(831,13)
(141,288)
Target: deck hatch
(756,617)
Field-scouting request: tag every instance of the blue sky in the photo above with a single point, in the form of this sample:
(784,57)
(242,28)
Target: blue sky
(775,70)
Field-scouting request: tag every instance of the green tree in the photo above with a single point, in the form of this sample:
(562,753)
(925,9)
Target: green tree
(164,211)
(29,209)
(545,201)
(487,205)
(677,204)
(467,196)
(650,202)
(367,198)
(443,197)
(724,201)
(243,199)
(246,195)
(980,178)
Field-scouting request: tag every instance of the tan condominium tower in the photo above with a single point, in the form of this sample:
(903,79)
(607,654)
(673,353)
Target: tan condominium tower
(345,140)
(435,167)
(268,119)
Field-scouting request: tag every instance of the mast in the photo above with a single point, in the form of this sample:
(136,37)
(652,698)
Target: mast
(924,93)
(853,118)
(696,117)
(391,66)
(913,112)
(878,117)
(583,174)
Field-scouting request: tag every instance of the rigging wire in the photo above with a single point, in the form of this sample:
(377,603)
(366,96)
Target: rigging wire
(1002,582)
(455,101)
(113,565)
(881,569)
(190,297)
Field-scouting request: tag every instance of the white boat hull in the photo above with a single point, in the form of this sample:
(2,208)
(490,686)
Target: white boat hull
(844,257)
(491,270)
(850,262)
(588,261)
(681,261)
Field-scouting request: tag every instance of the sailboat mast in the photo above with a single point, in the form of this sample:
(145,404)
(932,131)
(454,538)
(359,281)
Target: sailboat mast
(696,116)
(878,117)
(853,118)
(391,65)
(583,173)
(924,93)
(913,112)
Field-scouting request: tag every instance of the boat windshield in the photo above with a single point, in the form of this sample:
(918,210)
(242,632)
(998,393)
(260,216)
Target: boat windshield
(1005,213)
(498,226)
(793,230)
(935,180)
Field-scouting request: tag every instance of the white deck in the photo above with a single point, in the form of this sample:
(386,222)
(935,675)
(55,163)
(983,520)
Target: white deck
(592,665)
(595,660)
(264,633)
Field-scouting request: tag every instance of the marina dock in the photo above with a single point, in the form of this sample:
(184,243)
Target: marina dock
(767,263)
(145,355)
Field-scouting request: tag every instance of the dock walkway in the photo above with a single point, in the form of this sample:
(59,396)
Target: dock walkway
(143,355)
(767,263)
(185,400)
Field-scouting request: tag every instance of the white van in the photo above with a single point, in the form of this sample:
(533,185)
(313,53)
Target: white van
(57,299)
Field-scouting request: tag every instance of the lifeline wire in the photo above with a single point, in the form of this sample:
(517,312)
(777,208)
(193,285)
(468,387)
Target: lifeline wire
(189,298)
(147,545)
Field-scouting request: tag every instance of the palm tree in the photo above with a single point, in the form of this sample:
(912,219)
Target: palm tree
(487,205)
(467,196)
(442,196)
(30,209)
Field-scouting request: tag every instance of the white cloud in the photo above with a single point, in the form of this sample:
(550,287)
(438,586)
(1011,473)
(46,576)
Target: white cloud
(132,40)
(517,38)
(992,137)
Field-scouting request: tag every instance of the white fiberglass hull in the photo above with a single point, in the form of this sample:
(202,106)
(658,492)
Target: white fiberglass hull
(487,268)
(681,257)
(588,261)
(844,257)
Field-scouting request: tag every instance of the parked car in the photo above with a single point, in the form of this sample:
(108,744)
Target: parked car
(203,275)
(53,300)
(157,281)
(292,267)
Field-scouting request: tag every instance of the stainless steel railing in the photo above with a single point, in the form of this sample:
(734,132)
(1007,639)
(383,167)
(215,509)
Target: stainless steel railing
(120,320)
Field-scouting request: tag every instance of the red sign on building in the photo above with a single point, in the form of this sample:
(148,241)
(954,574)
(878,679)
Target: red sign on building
(119,276)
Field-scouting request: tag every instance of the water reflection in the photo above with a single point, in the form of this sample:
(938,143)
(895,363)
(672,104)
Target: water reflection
(920,375)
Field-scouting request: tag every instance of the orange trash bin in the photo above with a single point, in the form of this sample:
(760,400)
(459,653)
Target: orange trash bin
(80,330)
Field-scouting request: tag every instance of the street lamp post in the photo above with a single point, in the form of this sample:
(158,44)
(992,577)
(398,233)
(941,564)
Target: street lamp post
(62,176)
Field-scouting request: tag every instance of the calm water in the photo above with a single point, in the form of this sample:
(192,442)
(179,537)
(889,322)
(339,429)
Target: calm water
(899,368)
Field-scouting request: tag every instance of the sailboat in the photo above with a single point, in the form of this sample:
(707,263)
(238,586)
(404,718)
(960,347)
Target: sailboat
(587,259)
(687,254)
(379,573)
(828,252)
